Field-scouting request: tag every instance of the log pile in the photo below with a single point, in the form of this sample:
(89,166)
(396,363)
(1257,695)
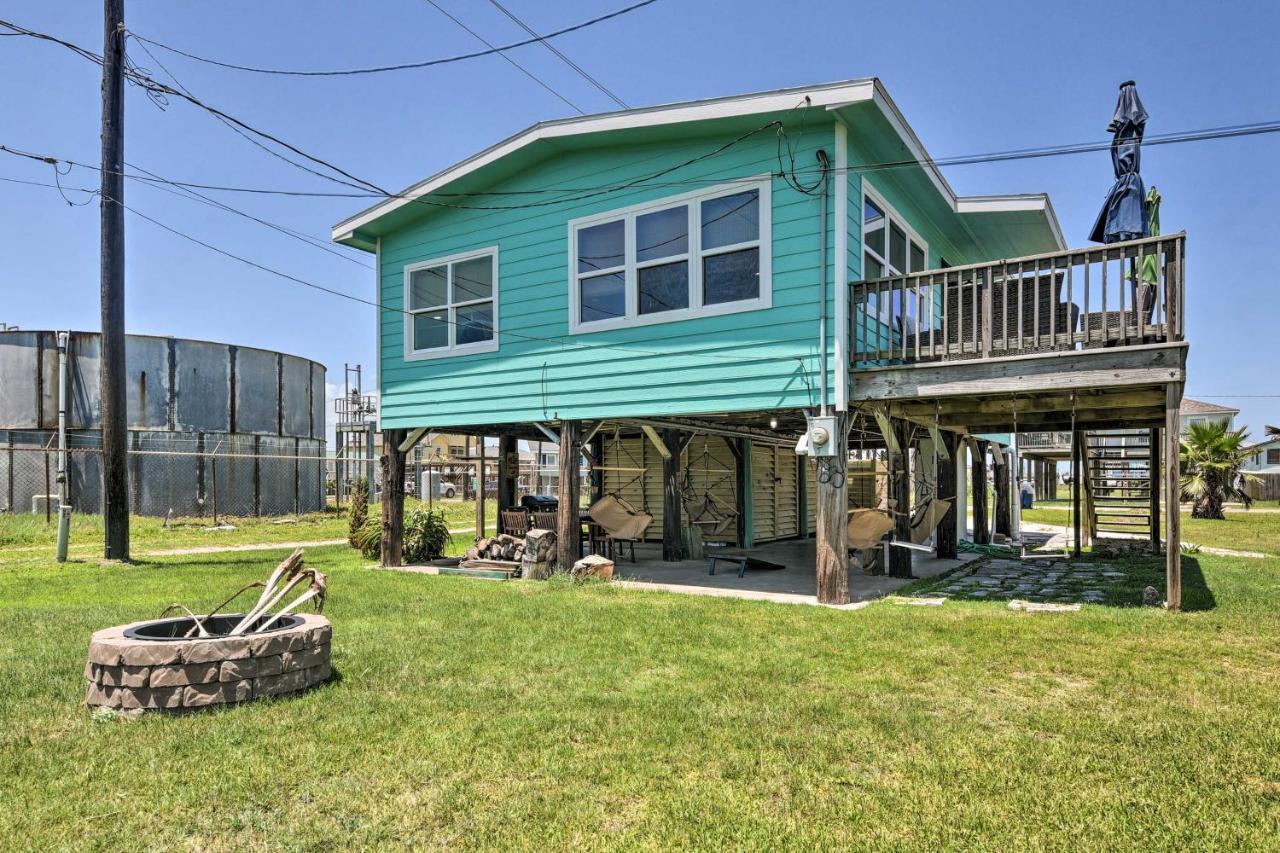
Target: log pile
(501,547)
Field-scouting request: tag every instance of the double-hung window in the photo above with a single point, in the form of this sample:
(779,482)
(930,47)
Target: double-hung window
(451,305)
(692,255)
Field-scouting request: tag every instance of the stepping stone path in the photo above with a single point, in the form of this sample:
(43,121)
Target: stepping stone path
(1050,580)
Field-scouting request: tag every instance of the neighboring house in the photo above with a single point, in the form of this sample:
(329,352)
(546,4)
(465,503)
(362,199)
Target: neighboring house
(679,288)
(1198,412)
(1264,456)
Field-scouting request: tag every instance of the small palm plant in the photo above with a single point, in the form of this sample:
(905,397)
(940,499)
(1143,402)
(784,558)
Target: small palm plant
(359,509)
(1211,461)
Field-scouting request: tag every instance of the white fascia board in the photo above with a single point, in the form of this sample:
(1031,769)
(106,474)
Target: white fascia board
(849,91)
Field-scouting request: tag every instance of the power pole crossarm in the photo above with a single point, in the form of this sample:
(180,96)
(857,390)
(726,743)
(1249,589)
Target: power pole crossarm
(115,437)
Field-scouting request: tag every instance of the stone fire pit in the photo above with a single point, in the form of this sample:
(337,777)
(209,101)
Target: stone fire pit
(152,666)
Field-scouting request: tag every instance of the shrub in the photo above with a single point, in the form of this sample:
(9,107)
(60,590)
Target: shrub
(359,510)
(426,535)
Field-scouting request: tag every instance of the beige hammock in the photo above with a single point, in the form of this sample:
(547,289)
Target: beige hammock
(619,519)
(867,527)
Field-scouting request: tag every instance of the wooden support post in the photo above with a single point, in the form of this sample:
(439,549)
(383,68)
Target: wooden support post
(833,520)
(900,498)
(1003,512)
(945,538)
(1173,497)
(1153,466)
(597,476)
(746,499)
(1077,471)
(393,469)
(672,548)
(981,528)
(569,521)
(480,486)
(508,474)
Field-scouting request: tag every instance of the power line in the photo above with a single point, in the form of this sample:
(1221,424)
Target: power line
(153,86)
(535,78)
(567,61)
(404,66)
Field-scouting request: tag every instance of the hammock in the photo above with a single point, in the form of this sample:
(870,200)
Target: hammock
(619,519)
(867,527)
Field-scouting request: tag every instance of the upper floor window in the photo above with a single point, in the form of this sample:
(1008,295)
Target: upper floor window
(1273,456)
(451,305)
(889,246)
(696,254)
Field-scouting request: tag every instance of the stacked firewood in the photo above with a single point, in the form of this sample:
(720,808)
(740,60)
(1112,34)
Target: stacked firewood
(500,547)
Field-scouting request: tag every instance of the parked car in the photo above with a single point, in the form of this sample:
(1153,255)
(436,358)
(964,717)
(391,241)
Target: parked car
(447,490)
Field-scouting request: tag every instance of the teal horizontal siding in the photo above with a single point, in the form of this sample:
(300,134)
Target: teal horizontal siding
(750,361)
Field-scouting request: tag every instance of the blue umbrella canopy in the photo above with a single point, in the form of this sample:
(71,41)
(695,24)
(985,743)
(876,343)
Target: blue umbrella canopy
(1124,215)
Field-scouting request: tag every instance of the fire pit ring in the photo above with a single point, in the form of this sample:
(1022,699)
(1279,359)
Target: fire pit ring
(150,665)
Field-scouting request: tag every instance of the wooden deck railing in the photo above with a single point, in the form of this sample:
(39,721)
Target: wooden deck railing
(1044,440)
(1122,294)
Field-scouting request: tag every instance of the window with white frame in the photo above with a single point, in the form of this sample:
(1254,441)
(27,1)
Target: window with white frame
(889,246)
(451,305)
(696,254)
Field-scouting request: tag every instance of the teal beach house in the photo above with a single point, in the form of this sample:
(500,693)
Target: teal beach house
(680,294)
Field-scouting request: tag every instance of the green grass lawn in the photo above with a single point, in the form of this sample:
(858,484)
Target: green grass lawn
(23,532)
(1241,531)
(515,715)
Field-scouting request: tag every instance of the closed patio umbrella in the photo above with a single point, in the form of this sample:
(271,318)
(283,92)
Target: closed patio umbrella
(1124,215)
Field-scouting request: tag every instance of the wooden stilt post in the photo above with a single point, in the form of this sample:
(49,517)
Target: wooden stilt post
(1153,466)
(672,547)
(480,486)
(1077,471)
(832,521)
(746,503)
(508,474)
(1003,512)
(393,470)
(981,528)
(900,496)
(1173,496)
(945,537)
(569,522)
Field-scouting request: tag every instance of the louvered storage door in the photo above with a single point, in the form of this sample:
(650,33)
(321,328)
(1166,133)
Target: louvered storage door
(786,494)
(763,509)
(712,468)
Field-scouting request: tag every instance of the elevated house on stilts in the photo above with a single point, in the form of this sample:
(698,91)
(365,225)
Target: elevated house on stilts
(683,293)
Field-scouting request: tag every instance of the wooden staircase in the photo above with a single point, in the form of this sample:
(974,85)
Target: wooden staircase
(1119,480)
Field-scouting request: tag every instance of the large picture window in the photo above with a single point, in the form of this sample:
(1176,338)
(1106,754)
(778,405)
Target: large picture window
(451,305)
(697,254)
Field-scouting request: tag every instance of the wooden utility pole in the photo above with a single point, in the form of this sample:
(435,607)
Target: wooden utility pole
(1173,498)
(833,519)
(115,437)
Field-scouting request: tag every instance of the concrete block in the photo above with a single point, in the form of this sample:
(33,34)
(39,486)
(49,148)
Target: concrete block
(150,652)
(221,693)
(182,674)
(207,651)
(123,676)
(149,698)
(273,665)
(238,670)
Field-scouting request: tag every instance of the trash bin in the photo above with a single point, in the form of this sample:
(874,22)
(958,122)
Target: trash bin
(1027,499)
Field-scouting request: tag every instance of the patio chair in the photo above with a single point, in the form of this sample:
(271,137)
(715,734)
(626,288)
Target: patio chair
(623,524)
(514,522)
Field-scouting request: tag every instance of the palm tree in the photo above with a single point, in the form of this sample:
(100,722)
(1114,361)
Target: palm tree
(1211,461)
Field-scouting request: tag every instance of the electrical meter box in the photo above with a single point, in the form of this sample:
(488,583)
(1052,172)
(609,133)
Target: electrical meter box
(822,435)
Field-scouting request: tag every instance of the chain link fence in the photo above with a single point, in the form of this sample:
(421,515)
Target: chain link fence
(171,474)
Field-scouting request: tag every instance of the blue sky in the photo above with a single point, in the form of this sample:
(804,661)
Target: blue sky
(969,77)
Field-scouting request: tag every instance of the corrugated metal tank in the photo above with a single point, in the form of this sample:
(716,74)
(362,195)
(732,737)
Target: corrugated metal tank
(260,414)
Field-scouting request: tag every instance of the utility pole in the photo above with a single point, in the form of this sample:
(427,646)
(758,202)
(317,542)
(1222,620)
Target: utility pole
(115,469)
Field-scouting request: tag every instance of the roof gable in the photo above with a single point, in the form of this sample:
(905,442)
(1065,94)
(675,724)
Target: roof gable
(848,100)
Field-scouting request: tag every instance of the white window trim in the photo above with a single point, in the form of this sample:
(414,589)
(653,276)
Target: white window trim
(411,354)
(694,256)
(891,215)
